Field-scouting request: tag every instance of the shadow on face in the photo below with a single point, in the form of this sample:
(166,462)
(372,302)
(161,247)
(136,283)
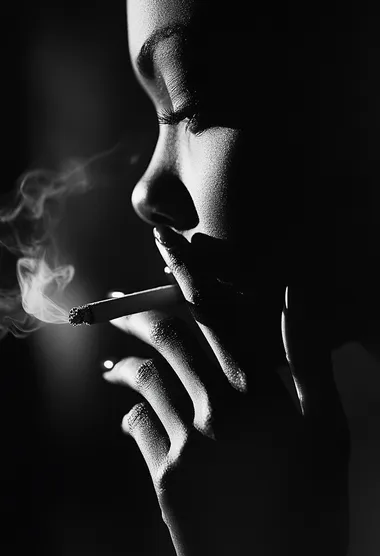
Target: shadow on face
(295,179)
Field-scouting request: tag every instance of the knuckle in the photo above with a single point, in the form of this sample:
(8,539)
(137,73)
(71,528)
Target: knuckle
(165,330)
(195,298)
(167,475)
(179,444)
(177,266)
(182,456)
(204,416)
(163,477)
(136,417)
(146,375)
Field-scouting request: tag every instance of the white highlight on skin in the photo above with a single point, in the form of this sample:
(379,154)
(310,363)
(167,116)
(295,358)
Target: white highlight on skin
(286,347)
(283,332)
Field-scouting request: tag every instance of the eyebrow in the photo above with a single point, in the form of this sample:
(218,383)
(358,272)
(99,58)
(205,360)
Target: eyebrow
(145,58)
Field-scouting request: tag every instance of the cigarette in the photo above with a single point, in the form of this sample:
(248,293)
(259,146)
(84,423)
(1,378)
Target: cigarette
(162,297)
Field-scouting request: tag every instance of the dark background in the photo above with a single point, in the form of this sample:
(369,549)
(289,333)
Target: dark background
(70,482)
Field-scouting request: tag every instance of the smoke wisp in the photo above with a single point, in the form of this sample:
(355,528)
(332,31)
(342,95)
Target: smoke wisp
(31,276)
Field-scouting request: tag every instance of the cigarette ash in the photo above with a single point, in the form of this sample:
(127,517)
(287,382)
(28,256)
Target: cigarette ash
(81,315)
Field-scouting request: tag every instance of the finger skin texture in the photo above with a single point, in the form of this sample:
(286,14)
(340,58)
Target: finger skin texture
(159,385)
(143,425)
(177,346)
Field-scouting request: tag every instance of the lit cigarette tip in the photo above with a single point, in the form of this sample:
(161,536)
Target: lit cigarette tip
(80,315)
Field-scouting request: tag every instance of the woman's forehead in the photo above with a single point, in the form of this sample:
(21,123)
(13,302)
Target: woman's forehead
(145,17)
(216,36)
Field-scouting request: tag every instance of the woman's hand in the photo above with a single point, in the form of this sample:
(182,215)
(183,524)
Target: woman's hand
(237,468)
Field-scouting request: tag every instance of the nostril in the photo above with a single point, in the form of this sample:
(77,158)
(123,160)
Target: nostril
(159,218)
(153,217)
(163,199)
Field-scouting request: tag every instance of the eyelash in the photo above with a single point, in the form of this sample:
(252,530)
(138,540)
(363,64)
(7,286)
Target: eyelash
(168,116)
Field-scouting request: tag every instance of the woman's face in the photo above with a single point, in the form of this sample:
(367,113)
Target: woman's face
(218,174)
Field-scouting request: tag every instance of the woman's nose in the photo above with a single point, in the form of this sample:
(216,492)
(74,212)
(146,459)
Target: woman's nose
(160,197)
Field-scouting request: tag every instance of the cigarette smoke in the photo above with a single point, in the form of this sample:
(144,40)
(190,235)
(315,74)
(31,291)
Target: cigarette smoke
(31,277)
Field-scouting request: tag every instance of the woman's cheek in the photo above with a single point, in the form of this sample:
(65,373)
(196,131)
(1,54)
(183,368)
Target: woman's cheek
(205,161)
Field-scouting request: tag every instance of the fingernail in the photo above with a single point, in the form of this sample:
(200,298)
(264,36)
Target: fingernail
(115,293)
(108,364)
(111,375)
(165,236)
(169,275)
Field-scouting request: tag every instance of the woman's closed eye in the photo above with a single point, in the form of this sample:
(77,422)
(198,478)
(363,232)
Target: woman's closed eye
(199,120)
(168,116)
